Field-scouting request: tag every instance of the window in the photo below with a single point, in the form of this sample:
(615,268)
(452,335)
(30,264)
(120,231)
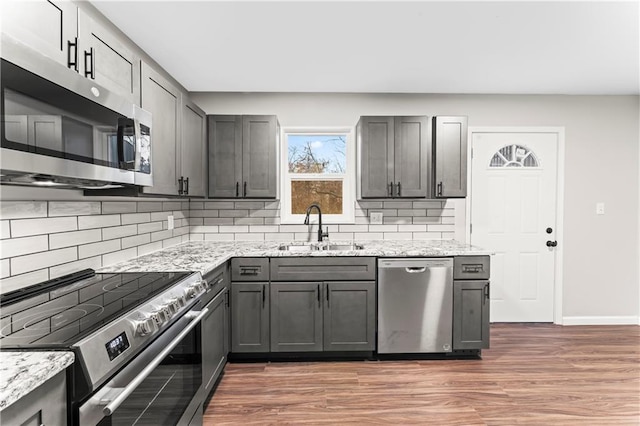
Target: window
(513,156)
(318,168)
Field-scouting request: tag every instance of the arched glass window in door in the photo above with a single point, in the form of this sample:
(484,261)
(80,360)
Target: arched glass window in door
(514,156)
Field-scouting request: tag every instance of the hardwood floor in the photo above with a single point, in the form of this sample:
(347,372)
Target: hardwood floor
(538,374)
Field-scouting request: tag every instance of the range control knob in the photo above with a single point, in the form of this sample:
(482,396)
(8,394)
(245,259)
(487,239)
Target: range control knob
(205,285)
(158,317)
(145,326)
(181,301)
(190,292)
(173,305)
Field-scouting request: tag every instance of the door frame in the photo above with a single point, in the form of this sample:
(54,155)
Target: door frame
(559,250)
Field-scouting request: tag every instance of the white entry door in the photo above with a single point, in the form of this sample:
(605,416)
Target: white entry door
(513,213)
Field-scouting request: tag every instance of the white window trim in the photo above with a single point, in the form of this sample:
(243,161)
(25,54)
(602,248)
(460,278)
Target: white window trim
(348,179)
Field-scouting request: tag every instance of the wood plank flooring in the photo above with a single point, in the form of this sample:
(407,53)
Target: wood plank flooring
(534,374)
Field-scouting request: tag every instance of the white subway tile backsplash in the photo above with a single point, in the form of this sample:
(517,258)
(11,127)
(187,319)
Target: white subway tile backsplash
(196,237)
(398,236)
(20,246)
(234,213)
(159,216)
(272,205)
(109,207)
(129,218)
(68,268)
(427,219)
(213,205)
(171,242)
(149,248)
(272,221)
(412,228)
(23,209)
(204,229)
(427,204)
(161,235)
(218,237)
(398,204)
(279,236)
(248,221)
(5,268)
(5,229)
(23,280)
(370,204)
(264,213)
(441,228)
(196,205)
(26,227)
(136,240)
(387,220)
(75,238)
(119,256)
(204,213)
(195,221)
(32,262)
(218,221)
(427,235)
(180,231)
(264,228)
(250,237)
(233,229)
(149,206)
(368,236)
(353,228)
(94,249)
(119,231)
(412,212)
(178,214)
(171,205)
(103,221)
(149,227)
(383,228)
(361,220)
(74,208)
(249,205)
(294,228)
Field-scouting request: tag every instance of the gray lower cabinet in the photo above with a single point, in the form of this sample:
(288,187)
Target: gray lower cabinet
(350,316)
(449,156)
(215,335)
(45,405)
(471,314)
(242,156)
(249,317)
(296,316)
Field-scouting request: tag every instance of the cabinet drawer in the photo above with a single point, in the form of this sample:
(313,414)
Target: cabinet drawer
(250,269)
(323,268)
(217,279)
(471,267)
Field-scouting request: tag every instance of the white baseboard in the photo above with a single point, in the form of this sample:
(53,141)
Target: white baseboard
(630,320)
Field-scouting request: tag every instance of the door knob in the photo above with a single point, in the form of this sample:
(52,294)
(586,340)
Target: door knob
(552,243)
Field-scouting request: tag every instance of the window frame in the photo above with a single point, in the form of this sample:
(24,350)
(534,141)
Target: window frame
(348,178)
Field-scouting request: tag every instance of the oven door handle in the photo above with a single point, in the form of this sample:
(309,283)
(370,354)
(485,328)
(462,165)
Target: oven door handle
(128,390)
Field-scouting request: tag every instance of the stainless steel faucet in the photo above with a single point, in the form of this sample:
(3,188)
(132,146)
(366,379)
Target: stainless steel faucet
(321,234)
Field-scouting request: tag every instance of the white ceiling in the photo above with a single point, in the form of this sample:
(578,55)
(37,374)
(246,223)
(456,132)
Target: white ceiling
(577,47)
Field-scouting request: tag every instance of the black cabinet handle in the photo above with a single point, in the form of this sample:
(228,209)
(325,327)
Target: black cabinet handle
(328,301)
(180,186)
(244,189)
(399,190)
(237,189)
(72,60)
(264,297)
(440,189)
(92,61)
(486,293)
(186,186)
(552,243)
(319,303)
(249,270)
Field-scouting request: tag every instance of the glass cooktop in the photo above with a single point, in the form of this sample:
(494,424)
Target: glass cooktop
(58,313)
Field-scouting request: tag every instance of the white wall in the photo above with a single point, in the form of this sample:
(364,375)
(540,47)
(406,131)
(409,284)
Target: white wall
(601,253)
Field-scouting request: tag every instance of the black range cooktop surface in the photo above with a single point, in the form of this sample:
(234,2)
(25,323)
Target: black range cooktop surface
(58,313)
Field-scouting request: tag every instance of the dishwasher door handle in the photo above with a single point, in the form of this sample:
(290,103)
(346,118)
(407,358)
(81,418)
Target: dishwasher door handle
(415,270)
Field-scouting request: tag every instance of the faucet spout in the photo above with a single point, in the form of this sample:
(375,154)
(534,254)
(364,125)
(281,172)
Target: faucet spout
(321,234)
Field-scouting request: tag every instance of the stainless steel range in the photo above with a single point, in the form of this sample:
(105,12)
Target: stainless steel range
(136,338)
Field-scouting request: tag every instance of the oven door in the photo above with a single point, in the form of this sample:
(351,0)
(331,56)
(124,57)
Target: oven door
(161,386)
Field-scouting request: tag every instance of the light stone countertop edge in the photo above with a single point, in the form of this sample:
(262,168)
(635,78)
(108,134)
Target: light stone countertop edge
(23,371)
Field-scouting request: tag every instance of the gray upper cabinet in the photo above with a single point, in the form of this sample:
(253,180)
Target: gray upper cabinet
(50,27)
(104,58)
(242,156)
(194,150)
(393,156)
(471,314)
(296,317)
(449,156)
(350,316)
(163,100)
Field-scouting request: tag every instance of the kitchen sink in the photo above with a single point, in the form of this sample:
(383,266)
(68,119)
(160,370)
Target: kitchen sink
(298,247)
(342,247)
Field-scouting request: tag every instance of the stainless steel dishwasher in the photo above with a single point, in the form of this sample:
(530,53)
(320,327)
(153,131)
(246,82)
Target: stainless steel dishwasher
(415,305)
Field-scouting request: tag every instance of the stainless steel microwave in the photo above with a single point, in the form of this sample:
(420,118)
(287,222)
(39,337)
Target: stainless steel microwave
(61,129)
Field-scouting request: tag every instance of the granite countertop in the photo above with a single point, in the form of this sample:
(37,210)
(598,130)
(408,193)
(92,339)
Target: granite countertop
(22,372)
(204,256)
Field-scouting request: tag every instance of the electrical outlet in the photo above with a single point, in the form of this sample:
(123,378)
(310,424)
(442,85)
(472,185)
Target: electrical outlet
(375,218)
(170,220)
(599,208)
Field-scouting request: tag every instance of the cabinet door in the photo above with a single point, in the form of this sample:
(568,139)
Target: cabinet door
(225,156)
(470,314)
(106,59)
(375,141)
(163,101)
(410,156)
(259,165)
(45,405)
(50,27)
(296,317)
(194,149)
(249,317)
(350,316)
(214,338)
(450,157)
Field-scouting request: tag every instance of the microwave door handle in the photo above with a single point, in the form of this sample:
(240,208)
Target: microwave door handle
(138,148)
(122,123)
(128,390)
